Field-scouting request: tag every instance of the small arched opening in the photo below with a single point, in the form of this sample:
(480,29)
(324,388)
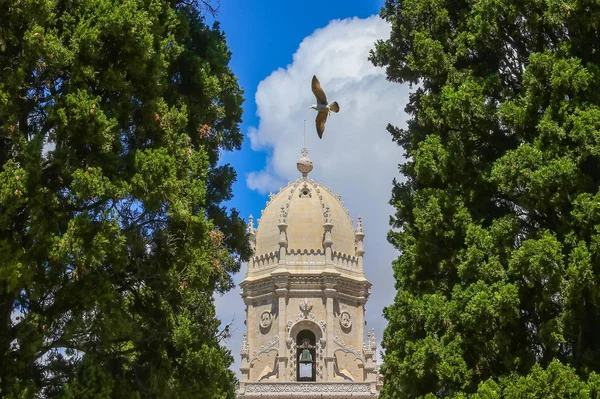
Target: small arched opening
(306,356)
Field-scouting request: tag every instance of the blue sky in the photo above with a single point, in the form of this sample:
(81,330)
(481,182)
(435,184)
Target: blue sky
(262,36)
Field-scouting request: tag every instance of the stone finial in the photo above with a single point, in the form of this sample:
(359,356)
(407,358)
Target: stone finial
(372,341)
(283,241)
(370,346)
(327,215)
(251,228)
(252,232)
(304,164)
(282,215)
(245,348)
(359,225)
(327,239)
(359,236)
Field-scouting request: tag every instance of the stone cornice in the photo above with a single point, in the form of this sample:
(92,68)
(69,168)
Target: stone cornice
(307,274)
(301,283)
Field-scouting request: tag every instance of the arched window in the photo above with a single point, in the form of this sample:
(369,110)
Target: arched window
(306,356)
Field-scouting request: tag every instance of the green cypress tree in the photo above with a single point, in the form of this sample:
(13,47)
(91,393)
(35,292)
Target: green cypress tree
(113,236)
(498,219)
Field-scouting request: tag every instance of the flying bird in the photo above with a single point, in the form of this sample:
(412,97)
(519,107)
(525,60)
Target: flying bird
(322,107)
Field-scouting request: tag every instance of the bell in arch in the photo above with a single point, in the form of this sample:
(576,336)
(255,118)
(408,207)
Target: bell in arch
(306,357)
(305,365)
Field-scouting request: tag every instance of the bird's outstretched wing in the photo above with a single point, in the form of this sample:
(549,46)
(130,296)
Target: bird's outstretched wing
(320,122)
(318,91)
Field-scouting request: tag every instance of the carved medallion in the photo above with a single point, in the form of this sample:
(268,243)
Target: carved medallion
(345,320)
(266,319)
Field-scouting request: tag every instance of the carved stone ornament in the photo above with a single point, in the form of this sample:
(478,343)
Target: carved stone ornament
(305,191)
(305,307)
(345,320)
(308,390)
(271,345)
(305,314)
(371,345)
(266,319)
(245,347)
(282,215)
(327,215)
(346,348)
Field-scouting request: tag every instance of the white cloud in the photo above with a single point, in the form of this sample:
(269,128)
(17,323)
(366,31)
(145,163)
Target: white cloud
(356,157)
(262,181)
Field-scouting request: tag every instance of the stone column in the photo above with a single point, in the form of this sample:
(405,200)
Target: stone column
(360,317)
(281,290)
(330,293)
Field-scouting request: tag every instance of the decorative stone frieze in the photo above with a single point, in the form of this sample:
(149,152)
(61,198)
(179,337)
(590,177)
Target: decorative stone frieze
(307,390)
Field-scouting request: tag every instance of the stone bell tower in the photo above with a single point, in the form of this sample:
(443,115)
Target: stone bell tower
(305,294)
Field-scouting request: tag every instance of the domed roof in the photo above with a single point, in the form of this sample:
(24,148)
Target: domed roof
(304,205)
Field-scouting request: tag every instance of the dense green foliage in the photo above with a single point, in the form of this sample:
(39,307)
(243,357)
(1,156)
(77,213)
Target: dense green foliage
(113,238)
(498,220)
